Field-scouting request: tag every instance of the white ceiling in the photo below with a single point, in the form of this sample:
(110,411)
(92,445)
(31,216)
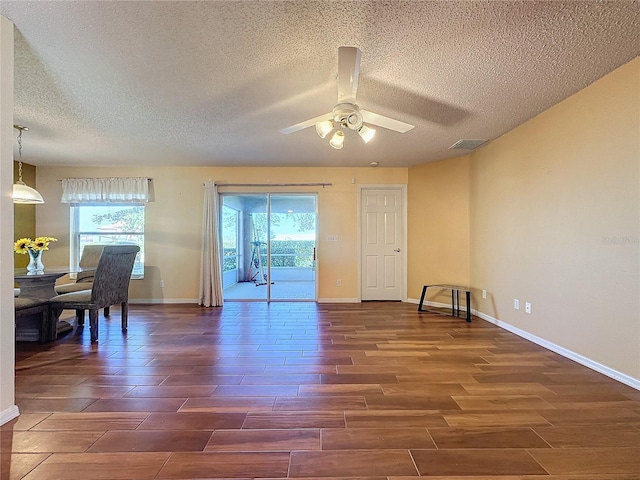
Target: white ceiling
(213,82)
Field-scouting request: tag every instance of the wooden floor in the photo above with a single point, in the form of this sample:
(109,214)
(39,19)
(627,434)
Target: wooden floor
(298,390)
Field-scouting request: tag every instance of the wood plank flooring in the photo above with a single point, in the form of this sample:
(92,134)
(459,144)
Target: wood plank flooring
(371,391)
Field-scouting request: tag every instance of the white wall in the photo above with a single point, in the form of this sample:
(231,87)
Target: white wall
(8,409)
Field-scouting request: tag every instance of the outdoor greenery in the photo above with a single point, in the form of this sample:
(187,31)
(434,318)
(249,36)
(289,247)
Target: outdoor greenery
(128,219)
(287,252)
(283,254)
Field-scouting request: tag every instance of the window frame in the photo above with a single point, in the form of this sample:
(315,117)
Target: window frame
(75,233)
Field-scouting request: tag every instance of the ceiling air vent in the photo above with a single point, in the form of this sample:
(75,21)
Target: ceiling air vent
(466,144)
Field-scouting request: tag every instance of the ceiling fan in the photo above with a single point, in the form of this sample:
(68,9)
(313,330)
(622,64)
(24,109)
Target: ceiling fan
(346,113)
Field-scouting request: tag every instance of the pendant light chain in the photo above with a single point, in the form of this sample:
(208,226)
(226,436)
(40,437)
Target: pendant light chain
(20,130)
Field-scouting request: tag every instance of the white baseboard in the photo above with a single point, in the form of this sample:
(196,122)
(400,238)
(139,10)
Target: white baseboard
(9,414)
(338,300)
(576,357)
(463,308)
(160,301)
(571,355)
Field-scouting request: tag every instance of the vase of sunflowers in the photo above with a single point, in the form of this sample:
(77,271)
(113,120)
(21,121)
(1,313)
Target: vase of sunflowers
(34,248)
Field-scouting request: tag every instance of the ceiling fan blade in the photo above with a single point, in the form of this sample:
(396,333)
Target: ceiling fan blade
(385,122)
(307,123)
(348,73)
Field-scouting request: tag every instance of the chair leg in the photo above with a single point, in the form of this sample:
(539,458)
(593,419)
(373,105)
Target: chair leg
(106,311)
(93,324)
(125,316)
(80,316)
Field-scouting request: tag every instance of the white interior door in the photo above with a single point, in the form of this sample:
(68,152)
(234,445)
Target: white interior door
(382,242)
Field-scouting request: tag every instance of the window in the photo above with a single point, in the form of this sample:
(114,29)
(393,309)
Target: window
(229,238)
(107,224)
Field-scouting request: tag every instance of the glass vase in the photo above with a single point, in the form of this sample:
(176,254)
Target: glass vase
(35,262)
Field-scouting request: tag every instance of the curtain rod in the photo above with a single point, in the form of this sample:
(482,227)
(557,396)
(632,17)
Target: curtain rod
(322,184)
(89,178)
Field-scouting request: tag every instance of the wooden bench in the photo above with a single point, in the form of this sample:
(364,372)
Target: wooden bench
(34,320)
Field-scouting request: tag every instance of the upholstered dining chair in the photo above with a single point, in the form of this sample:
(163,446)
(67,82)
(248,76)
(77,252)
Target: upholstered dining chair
(84,278)
(110,287)
(88,263)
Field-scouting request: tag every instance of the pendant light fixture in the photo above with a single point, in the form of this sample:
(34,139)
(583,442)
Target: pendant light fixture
(22,193)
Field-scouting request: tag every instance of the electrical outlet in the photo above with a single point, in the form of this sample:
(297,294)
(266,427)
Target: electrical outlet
(161,283)
(527,307)
(484,294)
(338,283)
(516,304)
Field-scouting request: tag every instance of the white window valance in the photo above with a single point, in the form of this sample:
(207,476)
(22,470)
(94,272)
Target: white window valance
(105,190)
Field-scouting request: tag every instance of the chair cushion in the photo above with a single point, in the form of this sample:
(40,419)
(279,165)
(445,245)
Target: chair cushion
(73,287)
(25,302)
(83,296)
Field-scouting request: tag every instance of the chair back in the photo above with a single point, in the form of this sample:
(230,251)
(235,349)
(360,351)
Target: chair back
(89,261)
(113,274)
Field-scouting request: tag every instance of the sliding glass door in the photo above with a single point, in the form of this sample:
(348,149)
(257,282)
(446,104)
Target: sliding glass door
(269,243)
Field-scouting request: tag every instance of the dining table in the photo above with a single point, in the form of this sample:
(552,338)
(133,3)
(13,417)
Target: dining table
(40,286)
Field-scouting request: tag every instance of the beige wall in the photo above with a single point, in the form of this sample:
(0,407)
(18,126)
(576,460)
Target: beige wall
(174,221)
(438,230)
(555,216)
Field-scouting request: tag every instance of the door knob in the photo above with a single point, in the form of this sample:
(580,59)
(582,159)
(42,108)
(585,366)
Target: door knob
(397,250)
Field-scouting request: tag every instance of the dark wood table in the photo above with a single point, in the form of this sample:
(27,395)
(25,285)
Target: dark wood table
(40,286)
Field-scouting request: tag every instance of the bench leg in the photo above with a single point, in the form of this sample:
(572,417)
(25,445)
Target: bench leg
(424,291)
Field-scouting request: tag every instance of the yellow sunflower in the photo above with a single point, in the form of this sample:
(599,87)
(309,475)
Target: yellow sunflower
(22,245)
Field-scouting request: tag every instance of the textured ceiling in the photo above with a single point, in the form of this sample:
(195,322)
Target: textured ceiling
(213,82)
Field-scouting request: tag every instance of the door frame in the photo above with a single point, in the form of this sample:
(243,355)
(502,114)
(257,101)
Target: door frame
(403,193)
(268,195)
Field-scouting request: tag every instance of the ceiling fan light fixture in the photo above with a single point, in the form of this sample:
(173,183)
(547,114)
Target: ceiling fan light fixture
(337,141)
(324,128)
(346,114)
(366,133)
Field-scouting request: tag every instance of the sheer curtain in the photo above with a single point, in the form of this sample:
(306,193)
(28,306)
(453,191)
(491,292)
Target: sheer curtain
(105,190)
(210,279)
